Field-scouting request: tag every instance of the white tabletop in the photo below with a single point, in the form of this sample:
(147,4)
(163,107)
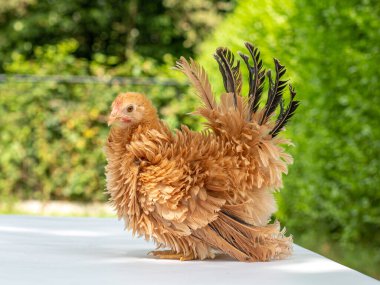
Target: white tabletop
(50,250)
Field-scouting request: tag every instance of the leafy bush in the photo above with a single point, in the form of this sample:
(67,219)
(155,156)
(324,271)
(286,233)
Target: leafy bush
(332,53)
(52,133)
(113,27)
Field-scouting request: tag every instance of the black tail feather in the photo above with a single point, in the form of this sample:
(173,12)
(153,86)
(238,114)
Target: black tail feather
(285,116)
(256,78)
(232,81)
(230,72)
(275,91)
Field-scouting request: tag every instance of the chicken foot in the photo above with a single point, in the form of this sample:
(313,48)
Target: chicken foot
(171,254)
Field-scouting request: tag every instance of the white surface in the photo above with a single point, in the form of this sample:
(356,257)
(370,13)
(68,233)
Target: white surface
(46,250)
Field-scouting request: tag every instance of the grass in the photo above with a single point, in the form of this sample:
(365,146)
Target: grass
(57,208)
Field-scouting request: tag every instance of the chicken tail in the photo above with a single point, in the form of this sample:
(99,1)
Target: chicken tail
(246,242)
(233,104)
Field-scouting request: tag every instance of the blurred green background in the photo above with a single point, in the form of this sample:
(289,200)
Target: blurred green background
(62,63)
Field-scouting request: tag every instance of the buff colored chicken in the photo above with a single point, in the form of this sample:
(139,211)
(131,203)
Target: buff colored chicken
(197,194)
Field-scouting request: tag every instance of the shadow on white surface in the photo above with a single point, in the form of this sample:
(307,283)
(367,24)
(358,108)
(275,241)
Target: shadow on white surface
(41,250)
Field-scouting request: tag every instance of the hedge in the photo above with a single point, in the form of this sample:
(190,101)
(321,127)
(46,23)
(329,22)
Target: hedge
(332,54)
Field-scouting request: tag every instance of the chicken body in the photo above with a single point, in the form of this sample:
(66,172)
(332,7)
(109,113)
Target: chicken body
(196,193)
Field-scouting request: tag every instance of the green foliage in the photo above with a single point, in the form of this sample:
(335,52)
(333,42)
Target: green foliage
(52,134)
(332,53)
(339,137)
(113,27)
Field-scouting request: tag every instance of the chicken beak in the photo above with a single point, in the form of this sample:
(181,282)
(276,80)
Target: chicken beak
(111,120)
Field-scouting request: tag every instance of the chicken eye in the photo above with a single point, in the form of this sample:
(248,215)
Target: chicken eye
(130,108)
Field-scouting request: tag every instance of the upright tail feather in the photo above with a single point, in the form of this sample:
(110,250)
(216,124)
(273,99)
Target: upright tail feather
(199,79)
(256,78)
(230,72)
(232,80)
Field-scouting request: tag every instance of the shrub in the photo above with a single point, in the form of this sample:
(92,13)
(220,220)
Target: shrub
(332,53)
(52,133)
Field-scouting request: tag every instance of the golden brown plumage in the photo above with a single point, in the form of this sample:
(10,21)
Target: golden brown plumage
(197,193)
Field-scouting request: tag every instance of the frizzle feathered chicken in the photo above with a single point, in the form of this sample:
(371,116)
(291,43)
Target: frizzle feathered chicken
(198,193)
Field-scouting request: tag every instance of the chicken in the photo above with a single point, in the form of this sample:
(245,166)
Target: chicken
(199,193)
